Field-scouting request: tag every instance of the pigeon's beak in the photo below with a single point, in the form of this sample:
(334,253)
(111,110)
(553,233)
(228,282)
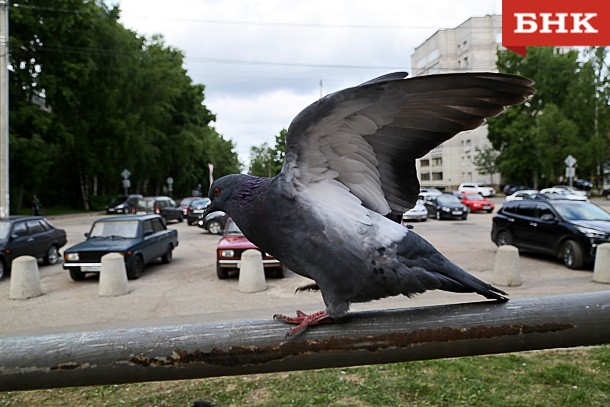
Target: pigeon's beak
(208,210)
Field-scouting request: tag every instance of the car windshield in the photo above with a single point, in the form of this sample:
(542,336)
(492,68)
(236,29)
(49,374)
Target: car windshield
(117,201)
(475,197)
(5,228)
(200,202)
(186,201)
(448,199)
(582,211)
(115,229)
(232,229)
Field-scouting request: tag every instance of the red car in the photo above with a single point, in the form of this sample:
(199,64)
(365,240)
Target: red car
(230,249)
(476,202)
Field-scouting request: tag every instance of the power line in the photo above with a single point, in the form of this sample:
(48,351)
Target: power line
(253,23)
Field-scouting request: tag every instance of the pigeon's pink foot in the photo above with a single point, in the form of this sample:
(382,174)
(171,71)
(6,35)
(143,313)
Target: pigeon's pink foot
(302,320)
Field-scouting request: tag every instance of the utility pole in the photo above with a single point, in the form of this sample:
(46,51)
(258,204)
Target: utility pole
(4,187)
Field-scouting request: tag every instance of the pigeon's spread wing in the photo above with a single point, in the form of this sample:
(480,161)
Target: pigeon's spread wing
(367,138)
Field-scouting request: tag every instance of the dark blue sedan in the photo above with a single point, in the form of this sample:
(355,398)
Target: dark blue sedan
(139,239)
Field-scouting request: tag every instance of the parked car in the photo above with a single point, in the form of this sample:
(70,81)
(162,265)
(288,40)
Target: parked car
(214,222)
(562,193)
(570,230)
(231,247)
(606,193)
(522,194)
(161,205)
(418,212)
(583,184)
(140,239)
(123,204)
(28,236)
(476,202)
(445,206)
(185,202)
(196,209)
(572,190)
(484,190)
(510,189)
(423,192)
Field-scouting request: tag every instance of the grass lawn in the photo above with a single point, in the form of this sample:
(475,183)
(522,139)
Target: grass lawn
(573,377)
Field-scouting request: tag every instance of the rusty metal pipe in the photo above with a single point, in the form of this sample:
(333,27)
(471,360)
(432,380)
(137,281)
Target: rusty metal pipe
(246,347)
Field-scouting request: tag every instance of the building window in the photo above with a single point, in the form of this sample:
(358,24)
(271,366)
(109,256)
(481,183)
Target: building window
(425,176)
(424,163)
(437,161)
(437,176)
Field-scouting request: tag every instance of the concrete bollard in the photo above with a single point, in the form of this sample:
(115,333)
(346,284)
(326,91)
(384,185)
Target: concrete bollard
(507,271)
(251,272)
(601,269)
(25,279)
(113,275)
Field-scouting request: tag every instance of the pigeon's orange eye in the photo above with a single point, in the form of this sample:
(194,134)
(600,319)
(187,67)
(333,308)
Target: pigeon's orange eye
(216,191)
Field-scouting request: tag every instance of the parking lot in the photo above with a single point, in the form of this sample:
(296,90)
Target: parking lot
(188,291)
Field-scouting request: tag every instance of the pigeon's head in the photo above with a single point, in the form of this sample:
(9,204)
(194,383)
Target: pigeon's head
(222,192)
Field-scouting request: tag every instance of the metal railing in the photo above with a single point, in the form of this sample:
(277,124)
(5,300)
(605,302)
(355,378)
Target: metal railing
(247,347)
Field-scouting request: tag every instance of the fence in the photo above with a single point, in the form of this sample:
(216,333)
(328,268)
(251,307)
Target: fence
(246,347)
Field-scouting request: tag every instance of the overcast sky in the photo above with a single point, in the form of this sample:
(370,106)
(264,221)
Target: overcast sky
(263,61)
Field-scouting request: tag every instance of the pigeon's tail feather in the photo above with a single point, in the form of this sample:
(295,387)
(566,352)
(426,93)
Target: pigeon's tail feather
(435,272)
(467,283)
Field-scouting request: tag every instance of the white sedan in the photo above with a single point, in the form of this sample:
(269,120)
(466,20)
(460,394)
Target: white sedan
(418,212)
(521,195)
(563,193)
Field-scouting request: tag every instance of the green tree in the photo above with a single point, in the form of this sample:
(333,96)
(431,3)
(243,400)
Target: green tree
(485,160)
(90,98)
(266,161)
(568,110)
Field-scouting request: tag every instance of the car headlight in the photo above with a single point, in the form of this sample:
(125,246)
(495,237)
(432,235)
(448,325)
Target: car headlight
(227,253)
(445,209)
(72,256)
(592,233)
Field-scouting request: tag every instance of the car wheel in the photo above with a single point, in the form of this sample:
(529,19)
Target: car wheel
(135,268)
(77,275)
(572,254)
(504,239)
(181,218)
(222,273)
(214,227)
(168,256)
(2,269)
(438,215)
(52,256)
(489,210)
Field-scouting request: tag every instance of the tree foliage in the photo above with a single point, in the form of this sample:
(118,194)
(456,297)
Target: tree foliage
(568,115)
(90,98)
(266,161)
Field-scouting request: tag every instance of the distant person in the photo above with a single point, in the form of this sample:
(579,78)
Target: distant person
(36,206)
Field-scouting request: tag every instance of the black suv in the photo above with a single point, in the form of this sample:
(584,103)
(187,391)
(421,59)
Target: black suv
(570,230)
(161,205)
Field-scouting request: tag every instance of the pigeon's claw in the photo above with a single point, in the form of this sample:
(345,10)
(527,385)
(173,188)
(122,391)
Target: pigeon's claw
(308,287)
(302,320)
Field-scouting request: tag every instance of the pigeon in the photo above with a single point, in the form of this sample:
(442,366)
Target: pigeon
(349,165)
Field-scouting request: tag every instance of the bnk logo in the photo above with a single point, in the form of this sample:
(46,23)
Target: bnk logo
(554,23)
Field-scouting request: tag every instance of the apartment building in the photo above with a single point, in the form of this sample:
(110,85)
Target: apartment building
(469,47)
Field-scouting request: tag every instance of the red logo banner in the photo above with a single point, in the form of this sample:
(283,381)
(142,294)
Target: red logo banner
(554,23)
